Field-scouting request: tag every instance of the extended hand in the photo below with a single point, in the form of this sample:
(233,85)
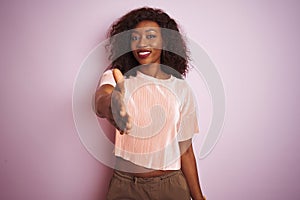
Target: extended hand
(121,118)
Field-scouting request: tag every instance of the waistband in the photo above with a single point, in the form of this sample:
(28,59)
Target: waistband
(136,179)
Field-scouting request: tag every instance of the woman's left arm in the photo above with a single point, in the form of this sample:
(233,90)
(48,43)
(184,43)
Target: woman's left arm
(189,169)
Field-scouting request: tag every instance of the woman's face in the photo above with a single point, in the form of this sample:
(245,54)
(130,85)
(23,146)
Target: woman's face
(146,42)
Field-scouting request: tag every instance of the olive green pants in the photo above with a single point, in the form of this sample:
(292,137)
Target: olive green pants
(171,186)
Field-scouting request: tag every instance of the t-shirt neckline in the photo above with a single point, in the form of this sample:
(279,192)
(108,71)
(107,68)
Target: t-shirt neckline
(141,74)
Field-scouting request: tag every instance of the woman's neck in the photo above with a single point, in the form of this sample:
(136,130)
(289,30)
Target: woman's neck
(154,70)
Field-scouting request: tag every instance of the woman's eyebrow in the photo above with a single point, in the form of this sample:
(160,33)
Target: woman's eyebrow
(151,29)
(148,30)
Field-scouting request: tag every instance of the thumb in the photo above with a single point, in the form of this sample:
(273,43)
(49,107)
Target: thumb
(119,78)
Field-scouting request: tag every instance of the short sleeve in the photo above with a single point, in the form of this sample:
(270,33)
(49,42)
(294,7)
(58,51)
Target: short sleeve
(188,122)
(107,78)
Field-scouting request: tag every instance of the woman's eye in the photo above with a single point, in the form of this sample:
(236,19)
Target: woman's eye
(151,36)
(134,38)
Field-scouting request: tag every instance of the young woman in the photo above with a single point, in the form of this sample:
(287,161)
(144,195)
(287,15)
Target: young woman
(144,96)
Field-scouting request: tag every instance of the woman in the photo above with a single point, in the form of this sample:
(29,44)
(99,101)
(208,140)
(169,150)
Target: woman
(154,161)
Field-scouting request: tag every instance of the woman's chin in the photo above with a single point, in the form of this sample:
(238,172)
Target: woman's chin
(144,63)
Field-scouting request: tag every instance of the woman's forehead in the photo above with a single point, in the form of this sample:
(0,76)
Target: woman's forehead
(147,26)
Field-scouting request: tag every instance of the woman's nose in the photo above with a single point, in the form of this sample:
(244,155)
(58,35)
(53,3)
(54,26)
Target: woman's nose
(142,42)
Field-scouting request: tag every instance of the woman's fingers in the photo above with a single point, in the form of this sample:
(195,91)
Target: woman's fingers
(129,123)
(123,124)
(117,105)
(120,119)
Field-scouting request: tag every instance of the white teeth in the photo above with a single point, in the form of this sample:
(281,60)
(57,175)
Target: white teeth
(142,53)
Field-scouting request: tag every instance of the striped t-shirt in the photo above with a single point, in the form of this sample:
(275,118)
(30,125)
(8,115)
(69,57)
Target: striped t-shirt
(164,114)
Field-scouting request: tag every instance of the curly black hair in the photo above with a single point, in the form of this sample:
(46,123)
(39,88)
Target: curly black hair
(174,53)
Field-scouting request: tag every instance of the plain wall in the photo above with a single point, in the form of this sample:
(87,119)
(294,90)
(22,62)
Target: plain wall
(254,45)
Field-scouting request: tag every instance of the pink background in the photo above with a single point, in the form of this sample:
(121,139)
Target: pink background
(254,44)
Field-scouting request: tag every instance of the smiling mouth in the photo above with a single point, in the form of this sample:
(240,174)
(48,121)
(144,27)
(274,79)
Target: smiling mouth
(142,54)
